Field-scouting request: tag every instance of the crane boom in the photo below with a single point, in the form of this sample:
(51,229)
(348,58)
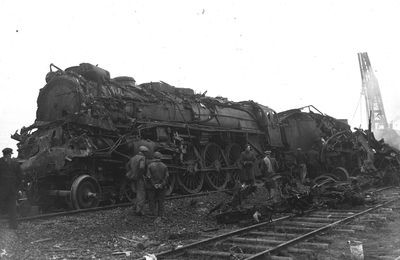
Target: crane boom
(370,90)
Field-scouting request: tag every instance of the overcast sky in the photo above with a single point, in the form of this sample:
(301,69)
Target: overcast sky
(283,54)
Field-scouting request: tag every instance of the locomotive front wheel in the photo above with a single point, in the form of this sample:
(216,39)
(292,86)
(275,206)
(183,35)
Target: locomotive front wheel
(214,161)
(85,192)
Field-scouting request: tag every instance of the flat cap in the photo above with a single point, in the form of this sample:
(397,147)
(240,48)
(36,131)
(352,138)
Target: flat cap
(7,151)
(157,155)
(143,148)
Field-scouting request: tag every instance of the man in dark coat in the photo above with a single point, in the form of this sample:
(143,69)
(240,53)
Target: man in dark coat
(136,173)
(247,161)
(157,180)
(10,179)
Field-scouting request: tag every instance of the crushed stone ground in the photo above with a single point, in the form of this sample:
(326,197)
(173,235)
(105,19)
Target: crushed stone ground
(119,234)
(100,235)
(380,240)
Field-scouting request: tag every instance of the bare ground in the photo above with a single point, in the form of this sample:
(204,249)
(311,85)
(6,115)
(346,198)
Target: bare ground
(102,234)
(118,234)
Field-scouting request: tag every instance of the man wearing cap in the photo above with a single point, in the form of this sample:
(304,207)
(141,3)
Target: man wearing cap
(10,179)
(268,164)
(246,162)
(157,176)
(136,173)
(269,182)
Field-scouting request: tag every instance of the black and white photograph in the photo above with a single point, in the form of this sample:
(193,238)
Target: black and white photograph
(176,129)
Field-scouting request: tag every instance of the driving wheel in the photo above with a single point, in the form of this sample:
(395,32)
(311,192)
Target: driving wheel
(214,162)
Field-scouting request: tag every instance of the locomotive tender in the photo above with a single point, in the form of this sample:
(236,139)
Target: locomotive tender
(88,125)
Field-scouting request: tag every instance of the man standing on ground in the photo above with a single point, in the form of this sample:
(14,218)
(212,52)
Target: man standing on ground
(136,173)
(157,176)
(10,179)
(247,160)
(268,164)
(269,183)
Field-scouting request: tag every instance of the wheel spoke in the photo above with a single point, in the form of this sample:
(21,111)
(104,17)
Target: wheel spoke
(214,161)
(190,182)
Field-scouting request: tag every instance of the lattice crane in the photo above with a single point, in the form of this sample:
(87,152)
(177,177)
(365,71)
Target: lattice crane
(372,94)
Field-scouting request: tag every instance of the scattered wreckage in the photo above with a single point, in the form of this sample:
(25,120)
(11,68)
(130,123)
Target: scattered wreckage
(88,125)
(341,165)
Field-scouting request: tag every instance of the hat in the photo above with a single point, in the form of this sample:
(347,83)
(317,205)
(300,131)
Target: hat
(157,155)
(143,149)
(7,151)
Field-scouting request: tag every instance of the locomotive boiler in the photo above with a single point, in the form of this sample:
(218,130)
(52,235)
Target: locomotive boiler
(88,125)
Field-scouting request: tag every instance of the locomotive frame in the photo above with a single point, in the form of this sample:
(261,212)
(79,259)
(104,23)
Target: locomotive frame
(88,125)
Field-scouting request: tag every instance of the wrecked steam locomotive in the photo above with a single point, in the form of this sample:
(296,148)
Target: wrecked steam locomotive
(336,151)
(88,125)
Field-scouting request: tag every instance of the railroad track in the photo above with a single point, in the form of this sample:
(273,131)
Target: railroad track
(119,205)
(297,235)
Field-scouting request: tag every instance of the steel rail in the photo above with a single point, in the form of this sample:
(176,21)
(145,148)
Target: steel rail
(120,205)
(313,233)
(219,237)
(183,249)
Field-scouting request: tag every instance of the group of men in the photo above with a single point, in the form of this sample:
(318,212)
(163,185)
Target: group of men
(10,179)
(248,160)
(148,176)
